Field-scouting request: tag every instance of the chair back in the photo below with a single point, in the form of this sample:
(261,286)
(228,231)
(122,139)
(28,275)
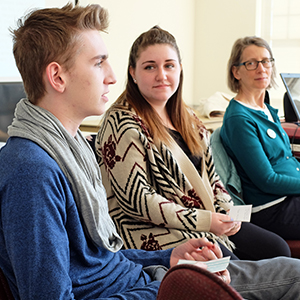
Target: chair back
(5,292)
(186,282)
(225,168)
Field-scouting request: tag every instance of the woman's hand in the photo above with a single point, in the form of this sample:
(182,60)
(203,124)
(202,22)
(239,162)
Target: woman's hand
(223,224)
(236,227)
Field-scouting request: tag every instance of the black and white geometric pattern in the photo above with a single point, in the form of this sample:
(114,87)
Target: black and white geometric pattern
(150,200)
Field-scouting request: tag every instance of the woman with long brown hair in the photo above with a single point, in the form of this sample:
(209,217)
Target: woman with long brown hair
(157,165)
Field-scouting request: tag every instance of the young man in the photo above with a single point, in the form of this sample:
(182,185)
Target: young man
(57,240)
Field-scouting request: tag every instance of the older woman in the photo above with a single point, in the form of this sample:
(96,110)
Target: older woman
(157,166)
(259,147)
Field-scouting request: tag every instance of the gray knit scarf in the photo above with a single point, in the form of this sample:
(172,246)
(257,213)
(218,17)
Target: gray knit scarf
(77,161)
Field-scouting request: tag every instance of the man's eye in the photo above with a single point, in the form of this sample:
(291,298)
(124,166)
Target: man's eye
(98,64)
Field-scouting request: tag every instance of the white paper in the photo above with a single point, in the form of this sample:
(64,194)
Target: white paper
(241,213)
(213,266)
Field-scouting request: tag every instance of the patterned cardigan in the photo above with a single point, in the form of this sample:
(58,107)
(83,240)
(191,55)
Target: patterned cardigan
(150,200)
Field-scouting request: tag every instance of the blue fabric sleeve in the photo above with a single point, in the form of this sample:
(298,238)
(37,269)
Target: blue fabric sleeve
(148,258)
(34,231)
(43,249)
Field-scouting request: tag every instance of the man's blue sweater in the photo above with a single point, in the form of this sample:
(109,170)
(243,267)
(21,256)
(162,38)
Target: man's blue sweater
(44,251)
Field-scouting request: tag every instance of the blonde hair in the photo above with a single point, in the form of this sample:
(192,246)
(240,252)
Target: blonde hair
(48,35)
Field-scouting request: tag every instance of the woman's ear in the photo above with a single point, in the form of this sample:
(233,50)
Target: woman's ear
(55,76)
(132,73)
(235,72)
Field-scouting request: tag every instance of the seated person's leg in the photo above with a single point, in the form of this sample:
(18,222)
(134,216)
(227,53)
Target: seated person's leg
(227,252)
(282,218)
(277,278)
(254,243)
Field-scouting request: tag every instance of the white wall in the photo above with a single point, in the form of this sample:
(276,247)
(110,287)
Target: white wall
(10,12)
(205,31)
(218,24)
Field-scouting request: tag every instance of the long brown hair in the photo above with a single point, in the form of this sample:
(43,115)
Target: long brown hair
(182,119)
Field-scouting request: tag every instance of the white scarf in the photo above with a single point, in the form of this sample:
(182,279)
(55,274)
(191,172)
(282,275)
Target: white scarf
(77,161)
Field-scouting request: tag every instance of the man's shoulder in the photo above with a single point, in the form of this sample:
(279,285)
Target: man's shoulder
(22,155)
(26,166)
(22,148)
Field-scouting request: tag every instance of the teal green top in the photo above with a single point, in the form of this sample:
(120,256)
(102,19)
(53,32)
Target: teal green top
(261,152)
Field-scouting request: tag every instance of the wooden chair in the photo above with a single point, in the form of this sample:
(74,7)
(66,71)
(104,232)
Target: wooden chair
(295,248)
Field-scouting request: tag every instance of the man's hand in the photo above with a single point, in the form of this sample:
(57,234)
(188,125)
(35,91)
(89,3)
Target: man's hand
(224,275)
(195,249)
(199,250)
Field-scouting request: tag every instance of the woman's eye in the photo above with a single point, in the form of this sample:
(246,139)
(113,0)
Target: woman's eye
(149,67)
(170,66)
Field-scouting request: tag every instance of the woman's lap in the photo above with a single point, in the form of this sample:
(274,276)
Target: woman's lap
(282,218)
(255,243)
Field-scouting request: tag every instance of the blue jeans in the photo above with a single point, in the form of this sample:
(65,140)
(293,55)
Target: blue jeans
(268,279)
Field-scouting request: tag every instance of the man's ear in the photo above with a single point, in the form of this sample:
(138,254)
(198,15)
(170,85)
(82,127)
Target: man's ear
(55,76)
(235,72)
